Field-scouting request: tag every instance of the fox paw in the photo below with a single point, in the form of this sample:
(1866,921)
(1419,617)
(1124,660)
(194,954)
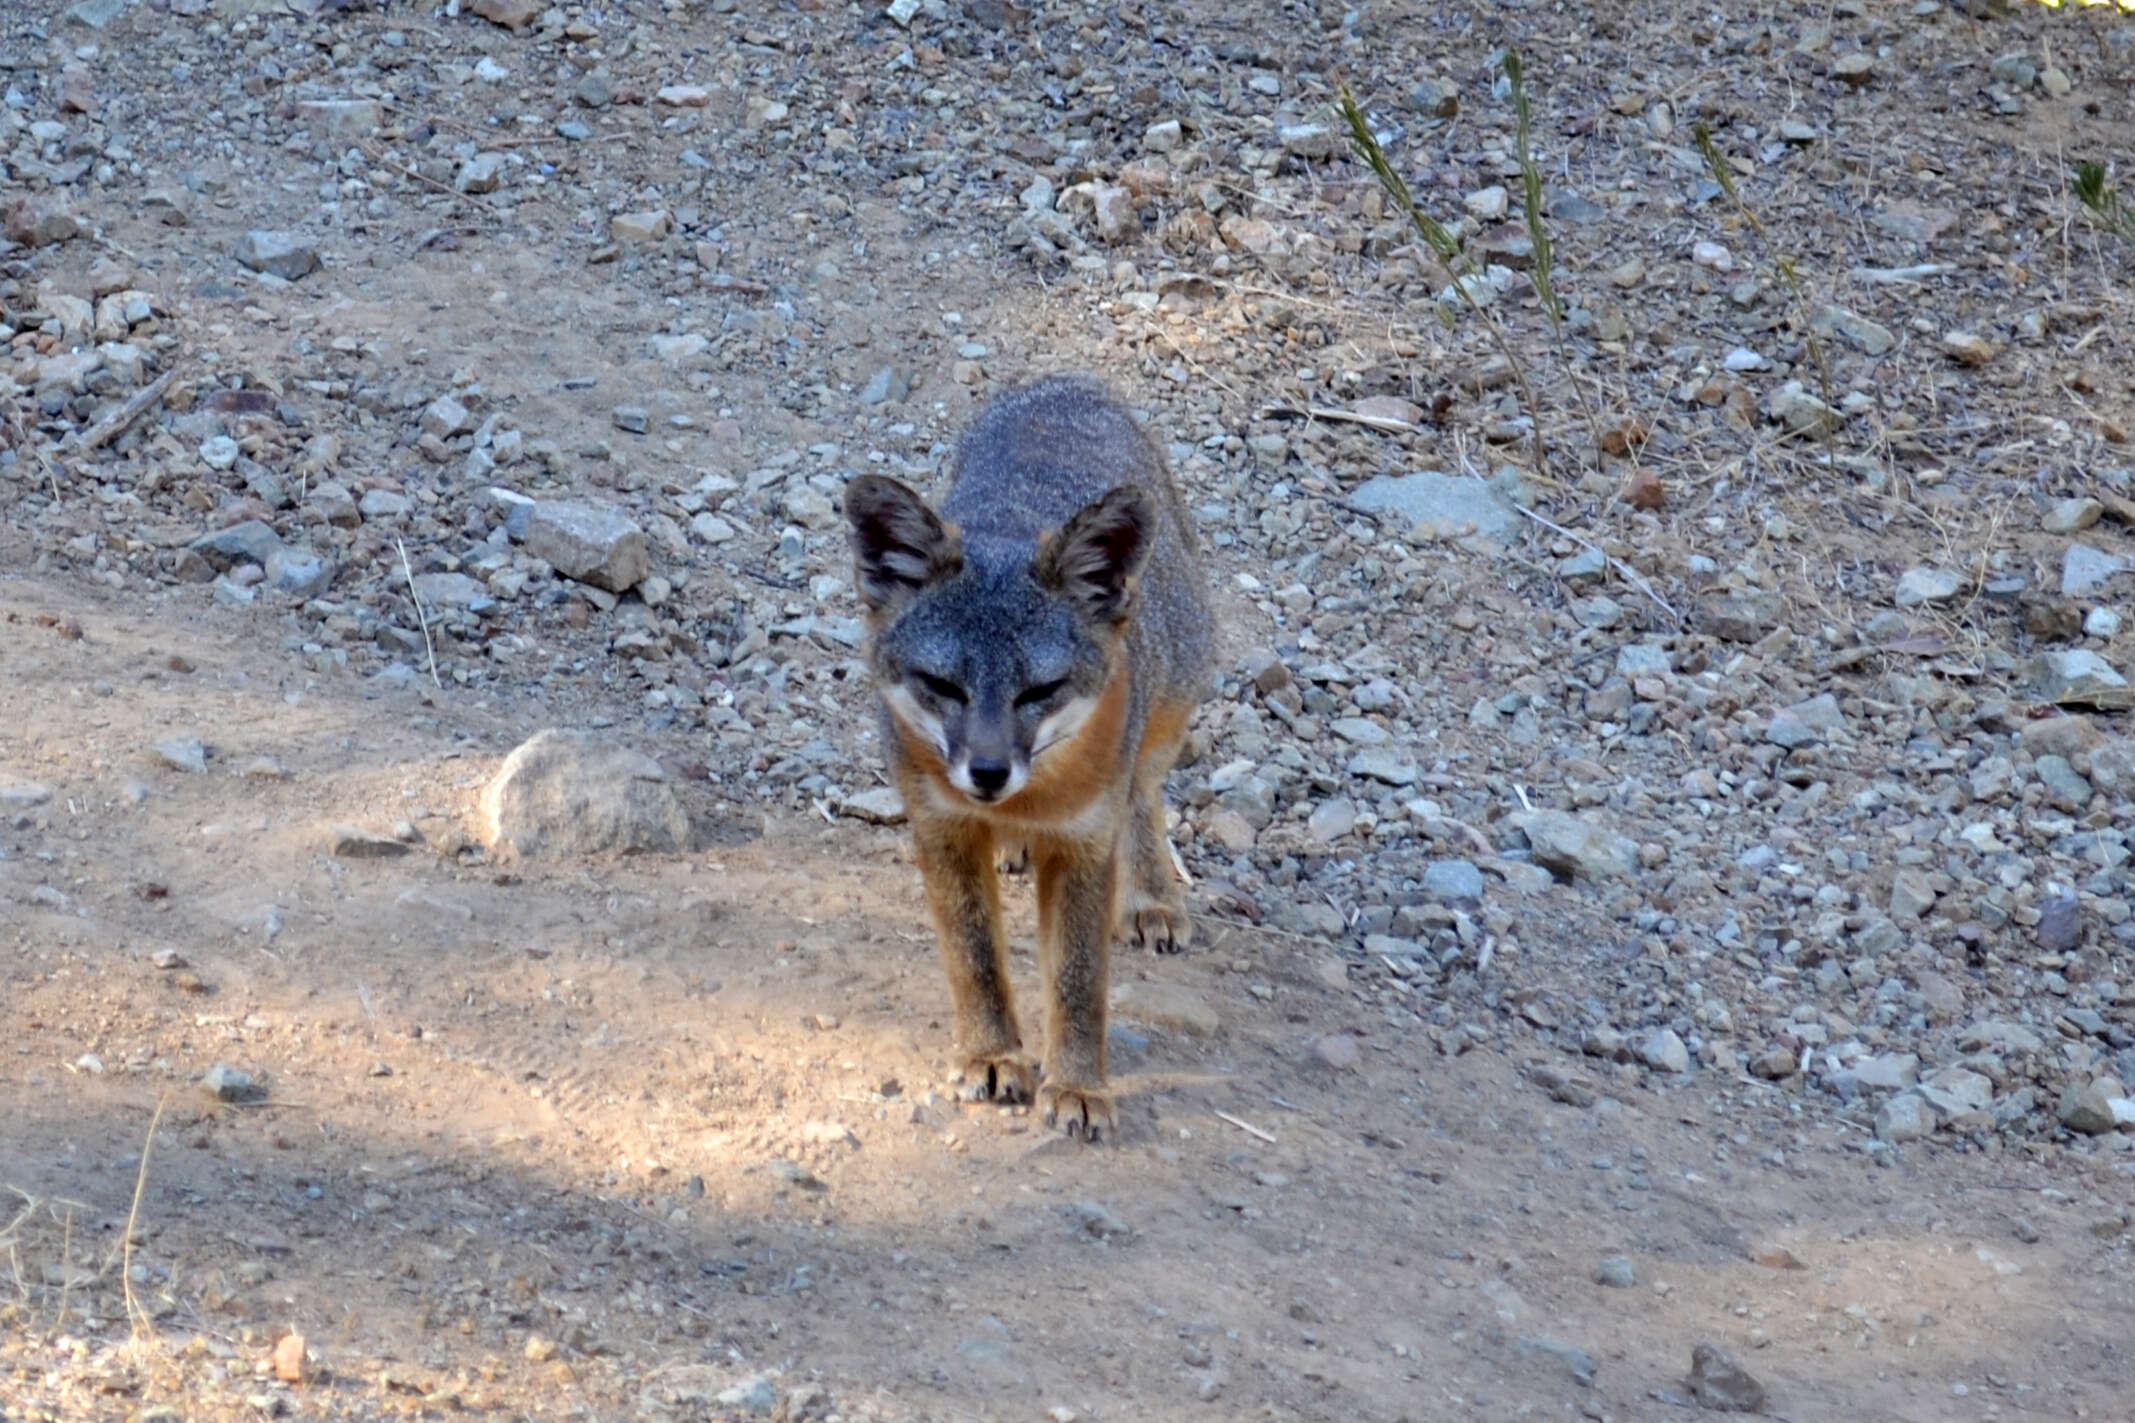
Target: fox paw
(993,1079)
(1078,1111)
(1161,927)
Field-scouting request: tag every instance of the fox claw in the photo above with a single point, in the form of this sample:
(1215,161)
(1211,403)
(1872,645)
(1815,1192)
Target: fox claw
(993,1079)
(1084,1112)
(1163,928)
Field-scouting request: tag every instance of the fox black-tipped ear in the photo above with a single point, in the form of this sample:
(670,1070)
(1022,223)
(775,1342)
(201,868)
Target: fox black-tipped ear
(899,544)
(1095,557)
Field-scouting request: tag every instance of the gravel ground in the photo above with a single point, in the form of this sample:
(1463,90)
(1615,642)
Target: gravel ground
(1721,697)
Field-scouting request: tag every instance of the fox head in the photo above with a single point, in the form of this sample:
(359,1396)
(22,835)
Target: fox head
(988,650)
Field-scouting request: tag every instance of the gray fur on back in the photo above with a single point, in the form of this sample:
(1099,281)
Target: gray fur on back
(1039,453)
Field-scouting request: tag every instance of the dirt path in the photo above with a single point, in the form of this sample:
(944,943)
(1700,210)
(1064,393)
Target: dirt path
(675,1121)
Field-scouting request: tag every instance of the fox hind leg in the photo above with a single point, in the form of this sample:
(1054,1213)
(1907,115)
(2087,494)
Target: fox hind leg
(1152,899)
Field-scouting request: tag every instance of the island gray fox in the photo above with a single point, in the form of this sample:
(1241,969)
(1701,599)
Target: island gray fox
(1038,646)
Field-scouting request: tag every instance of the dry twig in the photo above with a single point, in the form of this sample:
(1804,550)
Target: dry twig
(421,617)
(1630,574)
(135,1315)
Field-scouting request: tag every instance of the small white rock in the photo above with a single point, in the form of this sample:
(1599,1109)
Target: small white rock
(1488,204)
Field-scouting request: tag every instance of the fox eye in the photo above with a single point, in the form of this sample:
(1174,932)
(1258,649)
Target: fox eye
(1043,692)
(940,687)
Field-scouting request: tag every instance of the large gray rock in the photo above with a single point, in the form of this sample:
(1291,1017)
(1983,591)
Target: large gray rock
(1856,331)
(1905,1117)
(589,542)
(2085,570)
(278,254)
(1449,505)
(2088,1107)
(299,572)
(1572,848)
(1718,1382)
(1806,723)
(2079,677)
(573,793)
(253,541)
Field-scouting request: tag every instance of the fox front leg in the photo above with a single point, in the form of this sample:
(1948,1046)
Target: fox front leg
(1075,887)
(956,860)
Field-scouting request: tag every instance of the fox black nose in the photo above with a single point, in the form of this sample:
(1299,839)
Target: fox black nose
(988,777)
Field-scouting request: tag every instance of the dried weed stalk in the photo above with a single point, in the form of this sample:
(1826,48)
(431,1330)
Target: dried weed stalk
(1545,251)
(135,1315)
(1467,278)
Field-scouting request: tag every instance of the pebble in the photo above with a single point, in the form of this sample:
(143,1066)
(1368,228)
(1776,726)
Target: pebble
(1332,819)
(1801,413)
(2088,1106)
(1573,847)
(383,504)
(2101,623)
(1450,506)
(2060,926)
(886,386)
(1434,98)
(1615,1272)
(483,173)
(1904,1117)
(591,543)
(1098,1221)
(576,793)
(2079,677)
(1488,204)
(1453,880)
(181,753)
(2071,516)
(1338,1051)
(881,805)
(278,254)
(1912,894)
(353,842)
(1806,723)
(299,572)
(1927,584)
(1312,140)
(1868,337)
(1663,1051)
(252,541)
(1855,68)
(641,227)
(2085,570)
(1718,1382)
(1385,764)
(446,417)
(1576,1361)
(228,1084)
